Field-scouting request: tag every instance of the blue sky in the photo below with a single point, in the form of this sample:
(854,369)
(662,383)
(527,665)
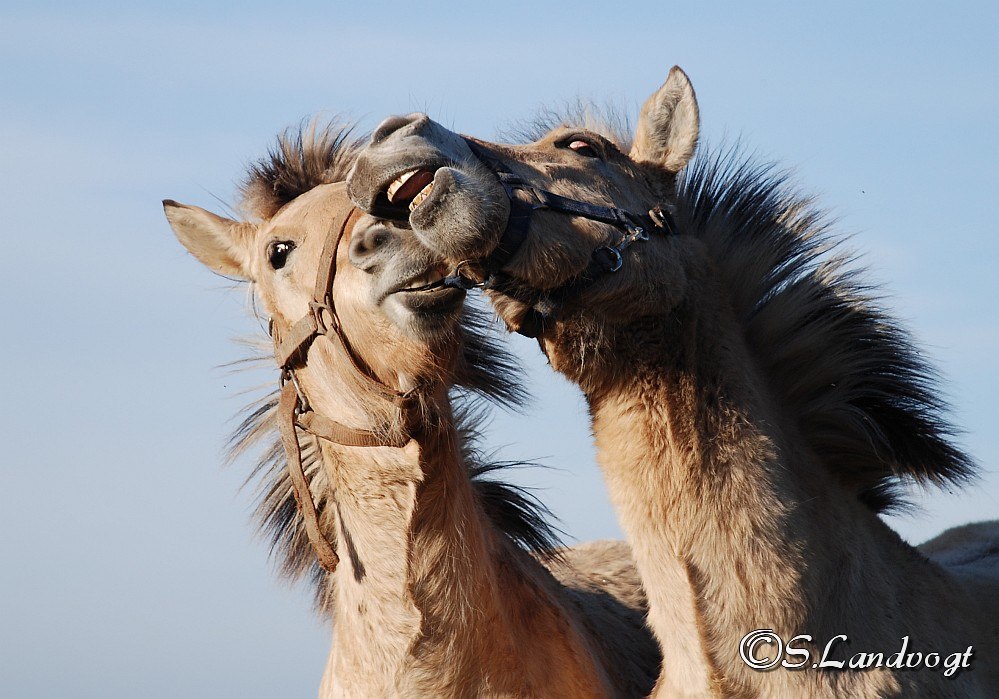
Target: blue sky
(130,567)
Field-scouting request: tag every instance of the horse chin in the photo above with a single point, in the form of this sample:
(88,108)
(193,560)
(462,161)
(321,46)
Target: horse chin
(426,316)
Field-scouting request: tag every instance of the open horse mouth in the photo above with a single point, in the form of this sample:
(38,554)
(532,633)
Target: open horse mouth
(411,188)
(408,191)
(427,294)
(430,280)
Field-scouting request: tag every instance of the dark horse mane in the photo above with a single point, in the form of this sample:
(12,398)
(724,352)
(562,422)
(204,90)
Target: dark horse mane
(864,398)
(303,159)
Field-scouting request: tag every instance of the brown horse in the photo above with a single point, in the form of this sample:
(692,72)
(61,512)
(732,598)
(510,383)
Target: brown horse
(753,407)
(440,591)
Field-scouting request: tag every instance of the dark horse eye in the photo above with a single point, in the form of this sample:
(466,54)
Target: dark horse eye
(583,148)
(278,251)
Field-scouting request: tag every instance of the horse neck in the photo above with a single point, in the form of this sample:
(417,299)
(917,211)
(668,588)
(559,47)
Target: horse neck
(734,524)
(430,599)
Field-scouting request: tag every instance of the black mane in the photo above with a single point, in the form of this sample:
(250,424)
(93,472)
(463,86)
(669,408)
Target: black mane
(864,397)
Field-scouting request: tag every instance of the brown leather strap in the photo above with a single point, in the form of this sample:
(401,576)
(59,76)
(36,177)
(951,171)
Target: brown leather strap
(300,484)
(290,349)
(324,291)
(327,271)
(337,432)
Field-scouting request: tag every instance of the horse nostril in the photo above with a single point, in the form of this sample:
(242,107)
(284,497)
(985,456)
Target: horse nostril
(388,127)
(394,123)
(365,245)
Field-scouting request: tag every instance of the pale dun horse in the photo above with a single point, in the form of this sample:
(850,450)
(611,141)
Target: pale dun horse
(449,583)
(754,409)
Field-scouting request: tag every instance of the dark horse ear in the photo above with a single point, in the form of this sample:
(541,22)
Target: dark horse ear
(668,126)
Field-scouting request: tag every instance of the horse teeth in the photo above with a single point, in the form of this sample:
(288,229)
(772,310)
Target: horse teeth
(427,279)
(398,182)
(421,196)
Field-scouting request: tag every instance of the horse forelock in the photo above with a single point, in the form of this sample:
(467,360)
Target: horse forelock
(611,123)
(864,397)
(303,158)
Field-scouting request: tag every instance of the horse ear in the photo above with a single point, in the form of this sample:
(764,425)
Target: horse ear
(668,125)
(220,243)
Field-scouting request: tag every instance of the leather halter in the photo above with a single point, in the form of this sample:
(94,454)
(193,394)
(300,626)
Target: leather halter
(524,201)
(291,350)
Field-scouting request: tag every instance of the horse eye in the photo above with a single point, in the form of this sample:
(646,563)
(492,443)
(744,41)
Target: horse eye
(583,148)
(278,251)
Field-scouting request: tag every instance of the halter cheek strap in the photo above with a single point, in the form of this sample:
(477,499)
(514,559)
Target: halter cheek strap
(291,350)
(524,201)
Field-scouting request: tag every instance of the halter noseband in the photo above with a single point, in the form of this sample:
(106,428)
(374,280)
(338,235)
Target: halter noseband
(524,201)
(291,350)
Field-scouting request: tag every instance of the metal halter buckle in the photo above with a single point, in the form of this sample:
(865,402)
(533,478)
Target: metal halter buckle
(657,216)
(317,308)
(635,233)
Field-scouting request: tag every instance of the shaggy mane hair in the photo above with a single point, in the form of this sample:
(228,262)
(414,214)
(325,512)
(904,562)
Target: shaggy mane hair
(513,511)
(864,398)
(301,160)
(313,154)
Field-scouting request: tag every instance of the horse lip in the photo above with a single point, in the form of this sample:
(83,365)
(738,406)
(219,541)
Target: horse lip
(434,301)
(429,286)
(409,285)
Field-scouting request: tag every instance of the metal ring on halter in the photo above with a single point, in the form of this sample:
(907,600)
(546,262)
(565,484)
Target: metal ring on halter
(457,280)
(478,283)
(609,257)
